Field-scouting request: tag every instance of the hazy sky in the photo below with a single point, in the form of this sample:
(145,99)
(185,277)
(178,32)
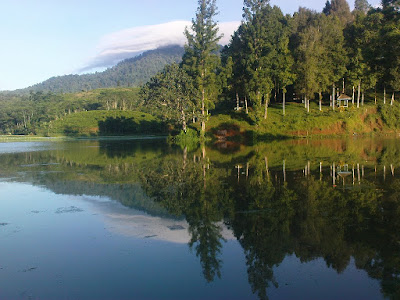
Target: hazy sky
(45,38)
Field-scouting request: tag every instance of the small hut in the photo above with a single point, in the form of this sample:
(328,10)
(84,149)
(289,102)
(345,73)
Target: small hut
(343,100)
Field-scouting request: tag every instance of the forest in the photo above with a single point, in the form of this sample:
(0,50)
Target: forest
(309,59)
(316,56)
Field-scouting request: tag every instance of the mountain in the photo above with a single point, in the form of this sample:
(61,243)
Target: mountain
(128,73)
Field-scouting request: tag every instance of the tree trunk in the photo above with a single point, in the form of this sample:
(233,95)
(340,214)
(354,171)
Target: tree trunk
(362,98)
(384,95)
(283,102)
(203,112)
(353,96)
(184,126)
(320,101)
(358,94)
(392,101)
(237,101)
(266,99)
(333,96)
(245,103)
(375,95)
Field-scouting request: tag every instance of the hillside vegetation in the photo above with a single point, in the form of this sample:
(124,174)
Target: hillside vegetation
(101,122)
(128,73)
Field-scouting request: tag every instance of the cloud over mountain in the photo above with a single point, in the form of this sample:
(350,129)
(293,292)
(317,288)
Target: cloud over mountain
(130,42)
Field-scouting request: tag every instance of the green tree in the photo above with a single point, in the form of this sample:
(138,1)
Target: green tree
(200,59)
(339,9)
(258,53)
(171,93)
(361,6)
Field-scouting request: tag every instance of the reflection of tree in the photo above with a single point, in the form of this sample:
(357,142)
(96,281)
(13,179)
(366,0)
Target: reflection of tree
(270,216)
(189,187)
(262,227)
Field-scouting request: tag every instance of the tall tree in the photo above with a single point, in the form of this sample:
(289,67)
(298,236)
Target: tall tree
(201,60)
(340,9)
(258,59)
(390,35)
(361,6)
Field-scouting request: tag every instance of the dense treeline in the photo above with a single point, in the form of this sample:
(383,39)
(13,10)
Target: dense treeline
(315,56)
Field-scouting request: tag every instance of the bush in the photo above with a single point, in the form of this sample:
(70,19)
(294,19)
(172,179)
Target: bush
(189,140)
(390,114)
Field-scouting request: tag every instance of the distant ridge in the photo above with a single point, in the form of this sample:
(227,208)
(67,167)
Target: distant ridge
(127,73)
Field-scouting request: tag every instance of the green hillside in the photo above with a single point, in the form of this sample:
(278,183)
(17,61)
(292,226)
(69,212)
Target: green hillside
(128,73)
(102,122)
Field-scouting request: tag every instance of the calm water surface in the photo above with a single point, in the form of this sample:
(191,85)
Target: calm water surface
(132,219)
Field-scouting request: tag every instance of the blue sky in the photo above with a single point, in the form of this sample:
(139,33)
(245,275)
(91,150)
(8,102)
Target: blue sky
(43,38)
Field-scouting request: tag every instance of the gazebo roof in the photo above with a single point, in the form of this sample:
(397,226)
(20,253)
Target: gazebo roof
(344,97)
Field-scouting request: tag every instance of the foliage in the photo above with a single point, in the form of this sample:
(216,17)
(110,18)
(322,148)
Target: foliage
(200,59)
(171,94)
(391,115)
(189,139)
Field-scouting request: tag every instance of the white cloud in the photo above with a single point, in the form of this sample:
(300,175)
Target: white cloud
(133,41)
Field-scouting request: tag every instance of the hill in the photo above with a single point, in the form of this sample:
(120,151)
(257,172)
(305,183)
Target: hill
(128,73)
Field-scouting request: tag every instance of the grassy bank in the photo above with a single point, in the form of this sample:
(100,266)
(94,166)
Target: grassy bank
(232,126)
(104,123)
(297,122)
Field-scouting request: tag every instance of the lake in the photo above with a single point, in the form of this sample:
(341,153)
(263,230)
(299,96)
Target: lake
(139,219)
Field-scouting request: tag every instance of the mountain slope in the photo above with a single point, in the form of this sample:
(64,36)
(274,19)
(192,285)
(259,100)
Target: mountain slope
(129,72)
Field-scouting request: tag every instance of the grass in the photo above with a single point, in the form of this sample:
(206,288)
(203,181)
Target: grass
(297,122)
(101,122)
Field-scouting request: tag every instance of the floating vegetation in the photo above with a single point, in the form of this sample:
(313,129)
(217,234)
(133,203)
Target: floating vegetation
(71,209)
(150,236)
(176,227)
(29,269)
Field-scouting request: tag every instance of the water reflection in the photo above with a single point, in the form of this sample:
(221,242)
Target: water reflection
(331,199)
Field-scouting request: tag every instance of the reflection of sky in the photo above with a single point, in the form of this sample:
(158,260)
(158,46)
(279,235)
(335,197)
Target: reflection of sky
(24,147)
(57,247)
(133,223)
